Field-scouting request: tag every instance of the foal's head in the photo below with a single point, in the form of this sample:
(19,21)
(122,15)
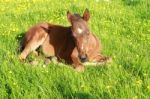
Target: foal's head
(80,32)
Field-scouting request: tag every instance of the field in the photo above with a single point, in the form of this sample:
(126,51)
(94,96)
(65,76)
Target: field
(123,26)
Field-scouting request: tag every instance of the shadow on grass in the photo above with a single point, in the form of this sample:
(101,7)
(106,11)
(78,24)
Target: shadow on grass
(20,39)
(63,86)
(67,93)
(83,95)
(131,2)
(135,70)
(8,90)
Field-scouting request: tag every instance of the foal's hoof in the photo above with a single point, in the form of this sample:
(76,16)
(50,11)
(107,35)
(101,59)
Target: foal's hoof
(35,53)
(34,62)
(21,58)
(47,61)
(109,60)
(105,60)
(79,68)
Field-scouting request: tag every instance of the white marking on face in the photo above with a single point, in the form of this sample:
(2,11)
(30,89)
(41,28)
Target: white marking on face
(79,30)
(82,47)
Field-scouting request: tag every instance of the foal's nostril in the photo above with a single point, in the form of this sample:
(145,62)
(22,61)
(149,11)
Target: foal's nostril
(83,58)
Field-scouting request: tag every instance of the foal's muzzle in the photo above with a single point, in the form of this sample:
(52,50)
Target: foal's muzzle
(83,58)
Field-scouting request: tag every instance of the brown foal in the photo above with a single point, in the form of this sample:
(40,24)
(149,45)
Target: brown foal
(74,44)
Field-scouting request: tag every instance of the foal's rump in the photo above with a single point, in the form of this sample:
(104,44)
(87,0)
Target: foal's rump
(34,38)
(35,33)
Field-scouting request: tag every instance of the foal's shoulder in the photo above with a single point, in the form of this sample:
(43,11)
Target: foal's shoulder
(94,37)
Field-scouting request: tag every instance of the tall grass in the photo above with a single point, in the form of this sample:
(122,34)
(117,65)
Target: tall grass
(123,27)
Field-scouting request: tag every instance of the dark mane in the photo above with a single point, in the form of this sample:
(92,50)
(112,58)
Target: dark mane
(76,17)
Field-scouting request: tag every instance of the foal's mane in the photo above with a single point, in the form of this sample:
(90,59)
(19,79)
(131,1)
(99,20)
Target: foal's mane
(76,16)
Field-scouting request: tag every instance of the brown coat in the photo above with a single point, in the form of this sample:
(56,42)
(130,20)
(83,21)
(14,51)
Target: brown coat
(66,43)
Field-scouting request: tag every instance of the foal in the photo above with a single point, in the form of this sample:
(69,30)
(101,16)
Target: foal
(74,44)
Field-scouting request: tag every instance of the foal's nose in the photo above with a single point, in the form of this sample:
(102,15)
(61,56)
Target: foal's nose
(83,58)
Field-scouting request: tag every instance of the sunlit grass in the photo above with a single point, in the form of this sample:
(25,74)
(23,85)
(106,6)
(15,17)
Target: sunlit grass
(123,27)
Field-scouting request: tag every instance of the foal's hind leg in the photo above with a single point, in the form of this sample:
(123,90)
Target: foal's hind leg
(48,51)
(32,45)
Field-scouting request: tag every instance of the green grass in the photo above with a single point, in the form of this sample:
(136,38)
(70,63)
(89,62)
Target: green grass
(124,29)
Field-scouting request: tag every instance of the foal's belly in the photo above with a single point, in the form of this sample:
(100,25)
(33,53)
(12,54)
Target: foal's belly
(61,48)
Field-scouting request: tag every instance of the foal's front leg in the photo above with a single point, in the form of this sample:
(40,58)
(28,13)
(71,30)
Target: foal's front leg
(102,59)
(76,61)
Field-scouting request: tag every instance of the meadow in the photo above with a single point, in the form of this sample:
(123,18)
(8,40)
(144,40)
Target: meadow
(123,26)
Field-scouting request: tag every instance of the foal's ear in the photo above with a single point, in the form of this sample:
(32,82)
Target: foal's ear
(69,16)
(86,15)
